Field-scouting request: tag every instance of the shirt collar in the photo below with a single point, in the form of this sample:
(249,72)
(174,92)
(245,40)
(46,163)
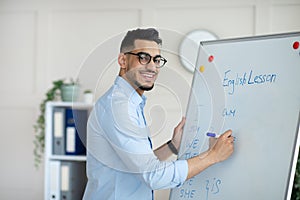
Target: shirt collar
(134,97)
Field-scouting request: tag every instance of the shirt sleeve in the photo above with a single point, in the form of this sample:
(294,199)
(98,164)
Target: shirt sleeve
(167,175)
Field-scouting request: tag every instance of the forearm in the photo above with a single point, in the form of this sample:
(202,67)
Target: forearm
(163,152)
(199,163)
(196,164)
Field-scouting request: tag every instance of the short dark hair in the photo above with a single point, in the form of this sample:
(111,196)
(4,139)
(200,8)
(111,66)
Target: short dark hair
(150,34)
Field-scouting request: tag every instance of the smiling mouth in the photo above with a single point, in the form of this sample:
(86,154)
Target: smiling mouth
(148,75)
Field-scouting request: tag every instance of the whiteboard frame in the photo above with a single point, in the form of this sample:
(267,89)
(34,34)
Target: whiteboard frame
(250,38)
(293,166)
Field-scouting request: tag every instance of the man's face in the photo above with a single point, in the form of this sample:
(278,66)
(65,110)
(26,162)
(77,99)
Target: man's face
(141,77)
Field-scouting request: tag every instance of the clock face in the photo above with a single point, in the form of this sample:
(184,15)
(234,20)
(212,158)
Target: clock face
(189,46)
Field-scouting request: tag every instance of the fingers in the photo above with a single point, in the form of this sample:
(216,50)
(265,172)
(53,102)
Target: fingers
(227,134)
(177,134)
(227,137)
(231,139)
(181,124)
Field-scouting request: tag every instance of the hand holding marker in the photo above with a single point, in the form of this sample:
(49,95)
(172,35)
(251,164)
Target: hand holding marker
(220,148)
(214,135)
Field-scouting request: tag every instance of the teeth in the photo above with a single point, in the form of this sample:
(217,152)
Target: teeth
(148,75)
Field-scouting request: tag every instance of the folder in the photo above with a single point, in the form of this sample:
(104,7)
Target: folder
(58,143)
(73,180)
(75,138)
(54,180)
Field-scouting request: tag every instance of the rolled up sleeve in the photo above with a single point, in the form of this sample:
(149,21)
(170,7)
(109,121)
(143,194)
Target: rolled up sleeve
(168,175)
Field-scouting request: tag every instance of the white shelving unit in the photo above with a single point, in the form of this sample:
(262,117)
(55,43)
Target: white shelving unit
(49,156)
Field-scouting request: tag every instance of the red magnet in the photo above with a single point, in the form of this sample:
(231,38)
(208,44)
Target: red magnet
(210,58)
(296,45)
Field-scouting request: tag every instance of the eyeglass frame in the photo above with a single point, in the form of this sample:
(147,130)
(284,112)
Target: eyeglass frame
(150,58)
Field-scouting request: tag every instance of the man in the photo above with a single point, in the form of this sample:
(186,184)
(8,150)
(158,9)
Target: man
(120,161)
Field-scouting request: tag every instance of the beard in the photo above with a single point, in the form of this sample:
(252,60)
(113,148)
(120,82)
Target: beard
(142,87)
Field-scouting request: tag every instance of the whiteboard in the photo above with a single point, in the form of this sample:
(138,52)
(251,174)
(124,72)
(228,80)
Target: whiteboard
(252,86)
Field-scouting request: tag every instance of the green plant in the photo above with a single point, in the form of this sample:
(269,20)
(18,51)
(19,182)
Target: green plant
(296,186)
(39,126)
(87,91)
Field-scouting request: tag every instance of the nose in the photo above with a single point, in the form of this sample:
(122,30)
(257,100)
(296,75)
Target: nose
(151,66)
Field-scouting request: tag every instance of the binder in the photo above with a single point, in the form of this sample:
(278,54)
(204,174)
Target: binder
(73,180)
(58,143)
(54,177)
(75,137)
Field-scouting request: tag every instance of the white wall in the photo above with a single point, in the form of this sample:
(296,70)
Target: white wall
(42,41)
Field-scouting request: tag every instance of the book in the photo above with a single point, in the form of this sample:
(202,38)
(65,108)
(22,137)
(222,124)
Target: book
(75,131)
(54,177)
(58,141)
(73,180)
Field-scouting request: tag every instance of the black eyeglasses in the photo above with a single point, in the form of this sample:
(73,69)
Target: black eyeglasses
(145,58)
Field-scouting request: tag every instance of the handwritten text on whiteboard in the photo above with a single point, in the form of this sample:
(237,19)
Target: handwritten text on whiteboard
(232,80)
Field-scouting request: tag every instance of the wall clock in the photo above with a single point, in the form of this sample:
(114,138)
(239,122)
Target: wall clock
(188,48)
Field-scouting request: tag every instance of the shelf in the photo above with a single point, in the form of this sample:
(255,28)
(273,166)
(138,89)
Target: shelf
(69,104)
(67,157)
(55,165)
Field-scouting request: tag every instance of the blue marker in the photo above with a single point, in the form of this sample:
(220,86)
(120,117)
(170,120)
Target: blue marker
(214,135)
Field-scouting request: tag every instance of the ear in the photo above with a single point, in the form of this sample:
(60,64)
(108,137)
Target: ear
(122,60)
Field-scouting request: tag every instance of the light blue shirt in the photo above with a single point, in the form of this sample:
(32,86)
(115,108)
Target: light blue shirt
(121,164)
